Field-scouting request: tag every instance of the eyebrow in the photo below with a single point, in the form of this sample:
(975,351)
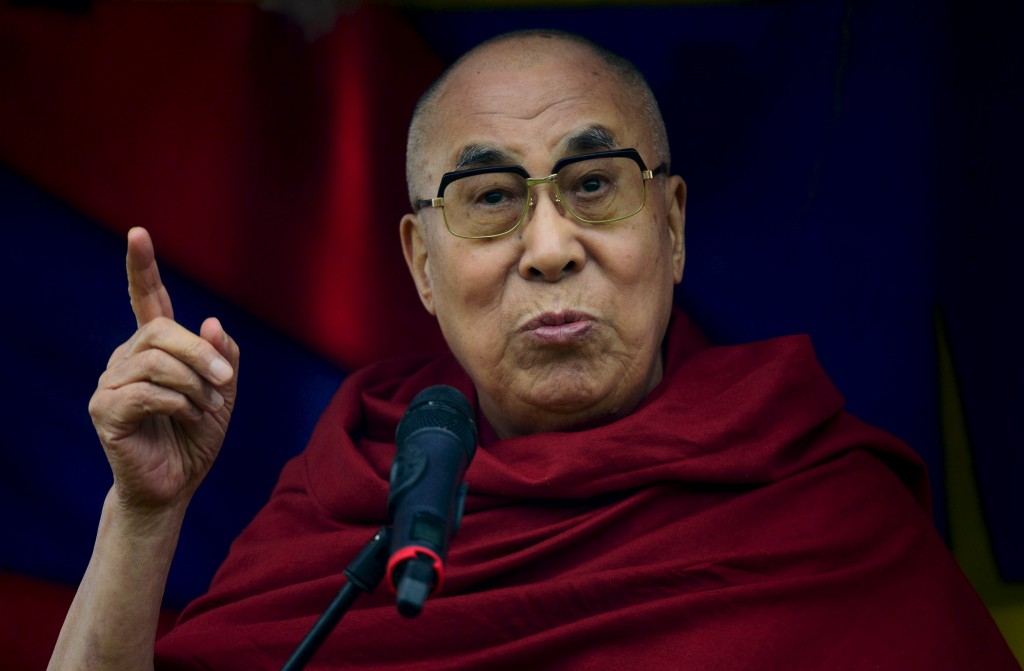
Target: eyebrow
(480,155)
(590,138)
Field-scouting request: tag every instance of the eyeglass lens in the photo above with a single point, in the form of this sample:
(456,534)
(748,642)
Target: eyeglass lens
(595,191)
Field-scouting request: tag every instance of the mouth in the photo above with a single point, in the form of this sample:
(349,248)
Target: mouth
(560,328)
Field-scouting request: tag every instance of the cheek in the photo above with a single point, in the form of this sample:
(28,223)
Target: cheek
(640,261)
(642,283)
(469,285)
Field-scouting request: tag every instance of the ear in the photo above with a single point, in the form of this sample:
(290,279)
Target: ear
(414,246)
(675,209)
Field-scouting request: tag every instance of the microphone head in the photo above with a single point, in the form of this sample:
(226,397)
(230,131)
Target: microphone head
(435,441)
(440,407)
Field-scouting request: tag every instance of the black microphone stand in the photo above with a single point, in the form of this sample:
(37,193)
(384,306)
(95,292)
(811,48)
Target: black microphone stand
(363,574)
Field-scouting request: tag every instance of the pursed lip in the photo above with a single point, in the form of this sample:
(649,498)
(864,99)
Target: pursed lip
(558,327)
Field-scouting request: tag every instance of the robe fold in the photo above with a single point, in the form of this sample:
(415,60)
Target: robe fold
(739,518)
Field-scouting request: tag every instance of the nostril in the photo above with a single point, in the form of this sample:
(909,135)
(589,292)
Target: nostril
(567,269)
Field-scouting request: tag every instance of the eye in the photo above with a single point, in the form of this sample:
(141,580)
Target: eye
(591,184)
(492,197)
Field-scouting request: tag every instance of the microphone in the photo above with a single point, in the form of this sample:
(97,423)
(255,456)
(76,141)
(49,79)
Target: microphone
(436,440)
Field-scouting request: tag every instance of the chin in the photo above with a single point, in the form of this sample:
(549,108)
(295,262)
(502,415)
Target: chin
(563,395)
(568,404)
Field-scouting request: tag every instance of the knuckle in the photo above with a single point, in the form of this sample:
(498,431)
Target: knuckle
(122,350)
(138,398)
(197,349)
(160,323)
(97,409)
(152,332)
(154,363)
(151,328)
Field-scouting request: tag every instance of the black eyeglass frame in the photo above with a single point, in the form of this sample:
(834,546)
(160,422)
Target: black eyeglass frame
(449,177)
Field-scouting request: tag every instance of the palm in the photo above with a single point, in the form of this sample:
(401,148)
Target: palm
(165,458)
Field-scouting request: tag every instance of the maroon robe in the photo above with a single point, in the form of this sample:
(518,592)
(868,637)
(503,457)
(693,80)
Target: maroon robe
(739,518)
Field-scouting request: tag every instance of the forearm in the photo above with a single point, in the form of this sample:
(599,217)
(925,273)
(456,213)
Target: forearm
(113,618)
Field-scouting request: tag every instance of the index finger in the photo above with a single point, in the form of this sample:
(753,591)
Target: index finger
(146,290)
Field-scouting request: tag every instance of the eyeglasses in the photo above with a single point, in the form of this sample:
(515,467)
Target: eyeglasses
(596,188)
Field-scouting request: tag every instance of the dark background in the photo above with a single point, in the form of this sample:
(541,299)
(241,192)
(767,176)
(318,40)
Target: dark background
(853,173)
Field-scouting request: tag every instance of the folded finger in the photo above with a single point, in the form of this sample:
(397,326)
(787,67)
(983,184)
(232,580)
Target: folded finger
(119,412)
(157,367)
(192,350)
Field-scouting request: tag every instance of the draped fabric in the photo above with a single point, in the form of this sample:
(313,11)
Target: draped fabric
(739,518)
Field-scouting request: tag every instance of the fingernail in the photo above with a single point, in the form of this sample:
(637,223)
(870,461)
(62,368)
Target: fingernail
(220,370)
(216,400)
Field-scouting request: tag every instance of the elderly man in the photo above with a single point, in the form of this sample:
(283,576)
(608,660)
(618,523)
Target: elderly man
(639,497)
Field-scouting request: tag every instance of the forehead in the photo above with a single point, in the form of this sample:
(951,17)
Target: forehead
(530,100)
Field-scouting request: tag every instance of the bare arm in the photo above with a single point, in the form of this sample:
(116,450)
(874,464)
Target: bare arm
(112,621)
(161,410)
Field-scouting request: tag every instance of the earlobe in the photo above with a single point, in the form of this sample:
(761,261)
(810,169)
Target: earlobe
(675,210)
(414,246)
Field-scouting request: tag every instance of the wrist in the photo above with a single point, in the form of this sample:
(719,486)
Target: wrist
(142,523)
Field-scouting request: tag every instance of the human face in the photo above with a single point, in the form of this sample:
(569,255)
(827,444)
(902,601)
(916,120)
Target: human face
(560,323)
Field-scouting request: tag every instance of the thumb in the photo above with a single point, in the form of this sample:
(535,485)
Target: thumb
(146,290)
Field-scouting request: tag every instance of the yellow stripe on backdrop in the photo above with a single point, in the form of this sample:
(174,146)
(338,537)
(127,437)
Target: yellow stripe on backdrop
(557,4)
(967,528)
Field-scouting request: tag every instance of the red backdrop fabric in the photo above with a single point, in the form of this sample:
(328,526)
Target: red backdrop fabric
(264,166)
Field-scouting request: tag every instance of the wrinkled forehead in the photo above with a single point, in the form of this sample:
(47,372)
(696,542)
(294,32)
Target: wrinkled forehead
(530,101)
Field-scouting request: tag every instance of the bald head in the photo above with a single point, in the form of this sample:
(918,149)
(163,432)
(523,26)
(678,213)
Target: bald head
(516,52)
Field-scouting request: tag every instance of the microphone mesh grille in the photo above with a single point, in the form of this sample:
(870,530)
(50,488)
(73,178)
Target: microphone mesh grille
(440,407)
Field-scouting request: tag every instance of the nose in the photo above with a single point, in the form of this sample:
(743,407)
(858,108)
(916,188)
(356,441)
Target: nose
(552,248)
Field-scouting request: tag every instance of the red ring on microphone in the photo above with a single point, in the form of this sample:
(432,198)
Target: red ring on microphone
(410,552)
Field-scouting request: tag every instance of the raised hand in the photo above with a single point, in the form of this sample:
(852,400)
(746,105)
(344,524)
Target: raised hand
(161,408)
